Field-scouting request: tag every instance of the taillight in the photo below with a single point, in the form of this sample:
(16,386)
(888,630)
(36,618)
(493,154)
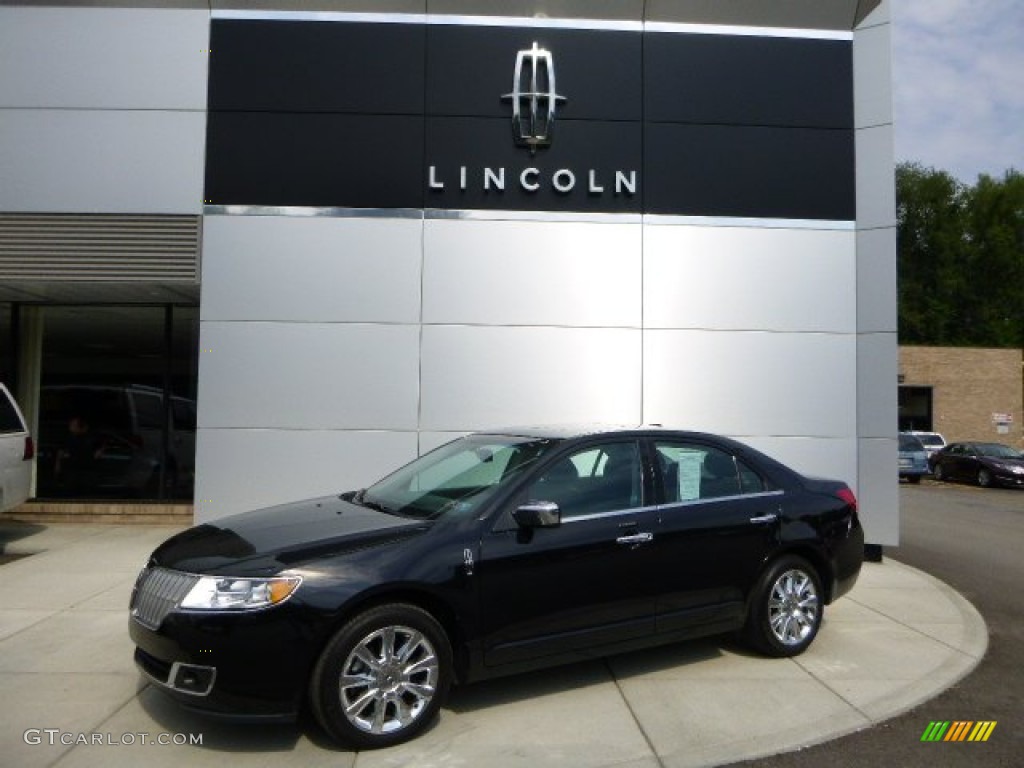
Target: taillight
(847,495)
(30,449)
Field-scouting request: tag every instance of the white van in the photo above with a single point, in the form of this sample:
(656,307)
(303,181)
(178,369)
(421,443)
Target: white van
(16,453)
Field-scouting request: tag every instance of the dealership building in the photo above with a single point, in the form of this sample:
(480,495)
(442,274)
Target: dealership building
(266,251)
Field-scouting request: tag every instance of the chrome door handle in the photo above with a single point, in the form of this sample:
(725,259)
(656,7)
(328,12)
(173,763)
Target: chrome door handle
(764,519)
(635,538)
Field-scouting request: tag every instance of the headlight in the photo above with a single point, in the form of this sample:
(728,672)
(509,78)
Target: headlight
(213,593)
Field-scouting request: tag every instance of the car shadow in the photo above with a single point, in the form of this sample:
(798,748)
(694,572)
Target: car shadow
(217,734)
(501,691)
(228,736)
(12,531)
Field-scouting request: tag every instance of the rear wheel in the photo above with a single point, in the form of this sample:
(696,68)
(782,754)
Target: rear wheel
(382,679)
(786,608)
(915,479)
(939,472)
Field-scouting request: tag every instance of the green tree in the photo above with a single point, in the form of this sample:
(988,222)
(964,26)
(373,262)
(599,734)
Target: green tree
(995,231)
(961,258)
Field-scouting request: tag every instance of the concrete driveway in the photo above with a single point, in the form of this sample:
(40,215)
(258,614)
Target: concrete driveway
(72,696)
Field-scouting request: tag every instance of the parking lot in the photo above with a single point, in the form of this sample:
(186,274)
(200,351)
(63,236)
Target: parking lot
(73,697)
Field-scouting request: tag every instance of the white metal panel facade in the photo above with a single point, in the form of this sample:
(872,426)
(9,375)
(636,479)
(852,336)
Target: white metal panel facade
(103,109)
(335,347)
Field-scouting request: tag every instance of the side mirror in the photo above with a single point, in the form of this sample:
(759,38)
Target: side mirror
(538,514)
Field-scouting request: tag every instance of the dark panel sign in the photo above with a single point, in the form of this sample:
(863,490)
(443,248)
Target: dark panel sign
(319,160)
(373,115)
(744,171)
(289,66)
(733,80)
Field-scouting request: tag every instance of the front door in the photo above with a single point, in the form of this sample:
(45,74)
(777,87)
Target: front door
(578,586)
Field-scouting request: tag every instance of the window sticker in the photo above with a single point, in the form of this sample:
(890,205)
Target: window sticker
(690,465)
(690,462)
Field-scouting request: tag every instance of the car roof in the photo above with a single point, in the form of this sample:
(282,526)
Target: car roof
(581,430)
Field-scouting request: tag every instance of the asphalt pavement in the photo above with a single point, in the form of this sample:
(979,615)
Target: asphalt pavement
(72,697)
(972,539)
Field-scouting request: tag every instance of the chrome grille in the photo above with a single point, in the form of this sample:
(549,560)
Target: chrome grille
(157,593)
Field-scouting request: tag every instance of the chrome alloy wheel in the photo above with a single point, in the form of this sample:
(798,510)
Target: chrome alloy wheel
(388,680)
(793,607)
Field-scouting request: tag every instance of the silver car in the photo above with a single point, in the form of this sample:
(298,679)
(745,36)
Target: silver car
(16,453)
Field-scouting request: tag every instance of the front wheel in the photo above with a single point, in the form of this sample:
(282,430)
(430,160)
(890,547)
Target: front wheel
(939,473)
(381,680)
(984,478)
(786,608)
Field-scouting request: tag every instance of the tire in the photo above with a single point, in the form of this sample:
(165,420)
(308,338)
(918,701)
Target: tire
(915,479)
(939,473)
(397,662)
(984,478)
(786,608)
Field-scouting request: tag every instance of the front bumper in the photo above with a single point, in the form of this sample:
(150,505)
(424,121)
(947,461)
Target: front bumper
(249,666)
(1008,479)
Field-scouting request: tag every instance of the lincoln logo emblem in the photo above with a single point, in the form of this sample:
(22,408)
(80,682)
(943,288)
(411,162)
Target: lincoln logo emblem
(533,98)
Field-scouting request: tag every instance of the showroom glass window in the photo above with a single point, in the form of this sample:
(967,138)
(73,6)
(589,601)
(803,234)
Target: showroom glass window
(117,403)
(6,346)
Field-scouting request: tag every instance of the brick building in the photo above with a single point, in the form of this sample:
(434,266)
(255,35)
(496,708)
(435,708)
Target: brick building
(965,394)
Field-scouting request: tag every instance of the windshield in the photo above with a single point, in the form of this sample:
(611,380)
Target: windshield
(456,478)
(997,451)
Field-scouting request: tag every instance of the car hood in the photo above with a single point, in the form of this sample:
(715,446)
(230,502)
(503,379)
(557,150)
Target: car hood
(267,541)
(996,461)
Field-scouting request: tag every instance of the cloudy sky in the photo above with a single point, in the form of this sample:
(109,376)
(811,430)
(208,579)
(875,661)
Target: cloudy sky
(958,71)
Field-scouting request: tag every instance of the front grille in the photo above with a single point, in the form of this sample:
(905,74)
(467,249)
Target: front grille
(157,593)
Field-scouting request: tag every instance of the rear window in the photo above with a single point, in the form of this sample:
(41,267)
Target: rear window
(10,421)
(932,440)
(910,443)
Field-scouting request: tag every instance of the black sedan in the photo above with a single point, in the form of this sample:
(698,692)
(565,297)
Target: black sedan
(983,463)
(493,554)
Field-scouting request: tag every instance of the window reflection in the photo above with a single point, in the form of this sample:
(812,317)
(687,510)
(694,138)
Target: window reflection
(117,403)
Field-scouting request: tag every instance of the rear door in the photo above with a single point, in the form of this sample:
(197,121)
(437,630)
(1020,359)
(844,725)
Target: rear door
(583,584)
(720,521)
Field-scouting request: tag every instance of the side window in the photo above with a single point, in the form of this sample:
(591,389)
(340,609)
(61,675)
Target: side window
(750,481)
(9,419)
(694,472)
(603,478)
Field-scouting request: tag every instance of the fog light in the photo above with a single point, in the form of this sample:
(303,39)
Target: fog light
(192,678)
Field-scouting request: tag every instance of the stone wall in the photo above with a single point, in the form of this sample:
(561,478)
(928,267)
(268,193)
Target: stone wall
(968,387)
